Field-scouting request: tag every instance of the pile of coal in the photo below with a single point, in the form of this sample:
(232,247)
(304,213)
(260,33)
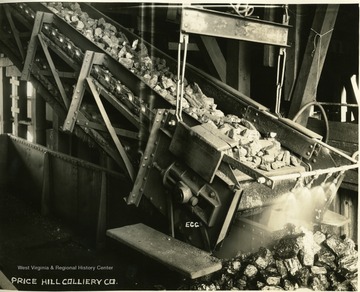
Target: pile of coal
(250,147)
(297,259)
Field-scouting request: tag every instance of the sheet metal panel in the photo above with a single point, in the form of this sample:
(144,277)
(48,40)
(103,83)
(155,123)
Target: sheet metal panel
(3,159)
(27,165)
(74,186)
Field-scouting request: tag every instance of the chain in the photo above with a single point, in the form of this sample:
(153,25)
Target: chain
(281,66)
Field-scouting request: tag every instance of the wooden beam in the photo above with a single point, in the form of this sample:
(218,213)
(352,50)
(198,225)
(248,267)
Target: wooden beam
(175,254)
(216,56)
(38,118)
(22,105)
(238,66)
(314,57)
(5,103)
(269,50)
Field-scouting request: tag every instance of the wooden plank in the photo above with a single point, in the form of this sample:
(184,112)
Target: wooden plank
(175,254)
(314,58)
(5,103)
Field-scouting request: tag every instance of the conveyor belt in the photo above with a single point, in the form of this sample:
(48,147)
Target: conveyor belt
(127,92)
(229,100)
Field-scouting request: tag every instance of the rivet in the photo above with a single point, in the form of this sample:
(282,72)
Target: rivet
(261,180)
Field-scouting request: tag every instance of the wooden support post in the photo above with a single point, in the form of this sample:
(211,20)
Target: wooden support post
(238,66)
(38,118)
(269,51)
(5,103)
(315,53)
(22,105)
(14,104)
(60,141)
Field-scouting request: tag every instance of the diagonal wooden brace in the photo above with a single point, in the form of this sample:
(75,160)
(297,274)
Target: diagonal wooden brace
(54,71)
(15,32)
(128,165)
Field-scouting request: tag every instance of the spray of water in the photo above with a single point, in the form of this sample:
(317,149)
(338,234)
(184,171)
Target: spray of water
(302,206)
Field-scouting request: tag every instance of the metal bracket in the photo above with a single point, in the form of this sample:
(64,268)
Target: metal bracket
(260,177)
(229,215)
(90,58)
(147,161)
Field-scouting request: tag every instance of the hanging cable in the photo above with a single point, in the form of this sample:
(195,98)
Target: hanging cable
(243,9)
(326,120)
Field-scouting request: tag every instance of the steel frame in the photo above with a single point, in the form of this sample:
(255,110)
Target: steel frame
(214,23)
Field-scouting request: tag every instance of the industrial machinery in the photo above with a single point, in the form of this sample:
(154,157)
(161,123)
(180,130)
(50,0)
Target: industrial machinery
(204,168)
